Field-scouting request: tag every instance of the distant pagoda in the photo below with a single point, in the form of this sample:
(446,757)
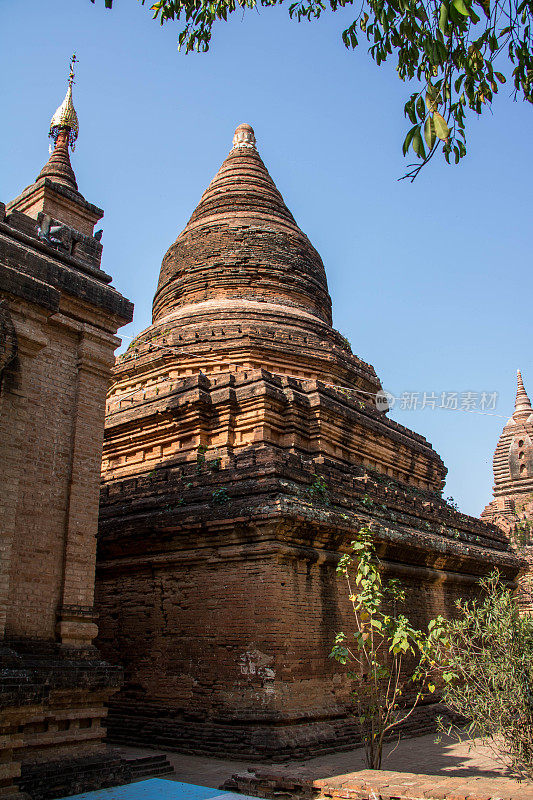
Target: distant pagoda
(512,506)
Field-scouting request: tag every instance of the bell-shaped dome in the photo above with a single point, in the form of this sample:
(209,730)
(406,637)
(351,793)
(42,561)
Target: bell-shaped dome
(242,288)
(242,242)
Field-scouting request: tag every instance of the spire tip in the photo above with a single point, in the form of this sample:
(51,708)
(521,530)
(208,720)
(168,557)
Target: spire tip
(65,115)
(522,402)
(71,76)
(244,136)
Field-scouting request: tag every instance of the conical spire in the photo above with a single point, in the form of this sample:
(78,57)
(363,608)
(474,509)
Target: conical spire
(55,191)
(522,406)
(58,167)
(64,131)
(242,242)
(242,189)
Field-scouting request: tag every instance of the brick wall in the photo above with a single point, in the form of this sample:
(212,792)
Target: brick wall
(58,318)
(223,615)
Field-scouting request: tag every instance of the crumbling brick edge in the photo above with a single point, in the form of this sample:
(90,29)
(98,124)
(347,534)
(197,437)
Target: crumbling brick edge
(376,785)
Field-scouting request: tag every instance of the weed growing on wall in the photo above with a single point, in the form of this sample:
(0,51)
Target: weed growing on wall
(388,660)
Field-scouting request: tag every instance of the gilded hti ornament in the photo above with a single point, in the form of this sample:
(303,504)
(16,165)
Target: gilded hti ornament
(65,116)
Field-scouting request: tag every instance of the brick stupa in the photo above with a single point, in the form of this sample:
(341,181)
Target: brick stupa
(512,506)
(243,450)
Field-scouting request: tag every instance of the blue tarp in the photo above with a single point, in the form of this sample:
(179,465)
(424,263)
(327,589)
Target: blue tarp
(160,789)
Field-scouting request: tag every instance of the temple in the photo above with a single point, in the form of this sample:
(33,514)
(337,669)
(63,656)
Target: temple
(58,320)
(244,448)
(512,506)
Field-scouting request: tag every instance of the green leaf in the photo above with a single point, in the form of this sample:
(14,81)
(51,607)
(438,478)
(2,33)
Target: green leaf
(441,127)
(429,132)
(432,98)
(461,7)
(409,111)
(443,17)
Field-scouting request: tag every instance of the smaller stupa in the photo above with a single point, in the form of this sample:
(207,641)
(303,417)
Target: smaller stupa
(512,506)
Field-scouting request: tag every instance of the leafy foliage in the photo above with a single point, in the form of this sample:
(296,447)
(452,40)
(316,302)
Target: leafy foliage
(453,49)
(220,496)
(522,535)
(487,660)
(318,491)
(386,656)
(201,450)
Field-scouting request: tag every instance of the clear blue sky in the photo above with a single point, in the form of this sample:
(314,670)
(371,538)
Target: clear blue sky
(431,282)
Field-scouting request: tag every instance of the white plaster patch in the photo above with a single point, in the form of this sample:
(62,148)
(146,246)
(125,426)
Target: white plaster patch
(254,662)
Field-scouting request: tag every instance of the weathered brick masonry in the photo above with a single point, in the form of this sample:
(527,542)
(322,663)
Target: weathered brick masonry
(58,319)
(243,449)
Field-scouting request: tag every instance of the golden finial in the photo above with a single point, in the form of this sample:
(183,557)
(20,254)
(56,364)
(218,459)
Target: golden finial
(65,116)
